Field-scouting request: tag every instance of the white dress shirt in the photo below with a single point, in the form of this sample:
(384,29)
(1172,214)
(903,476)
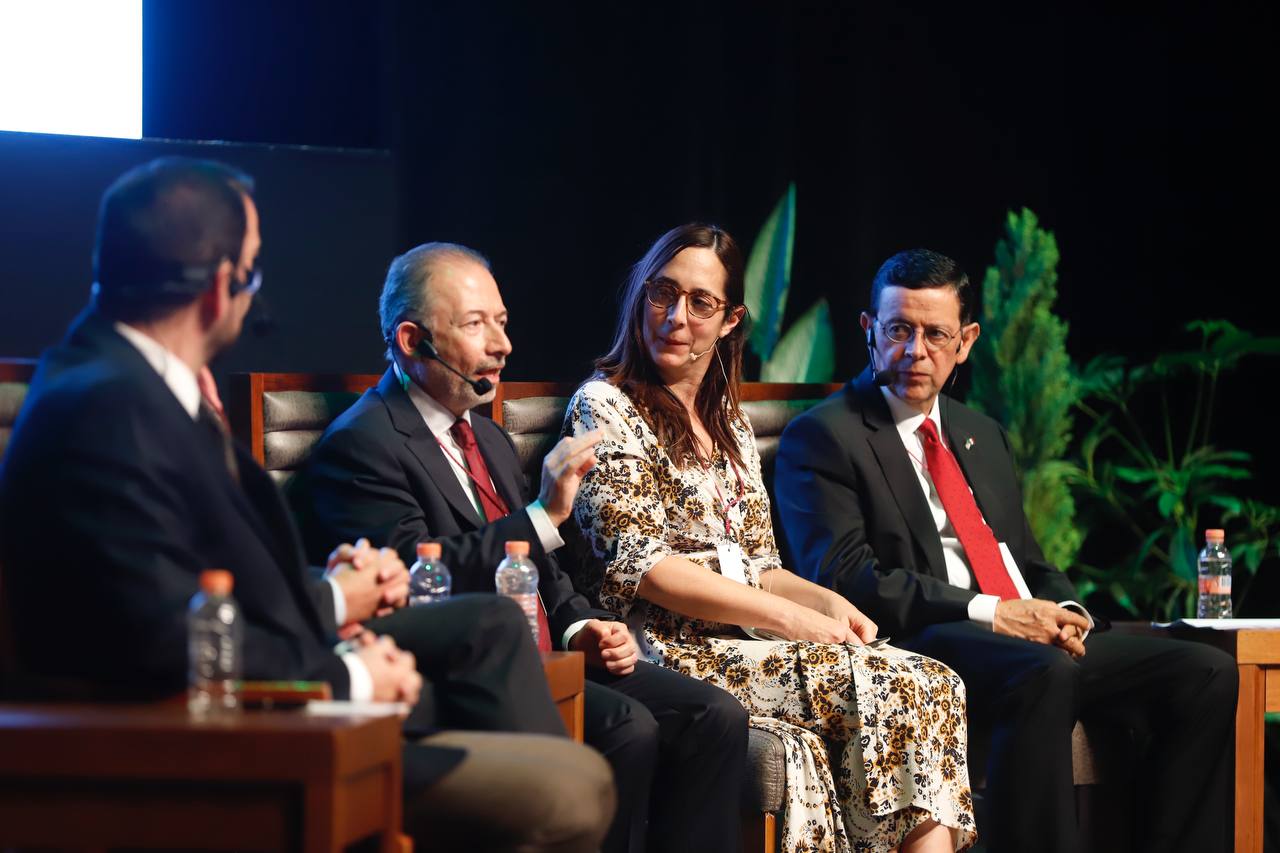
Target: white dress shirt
(440,421)
(982,607)
(181,380)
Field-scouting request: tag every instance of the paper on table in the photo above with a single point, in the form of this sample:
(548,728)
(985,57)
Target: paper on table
(1221,624)
(338,708)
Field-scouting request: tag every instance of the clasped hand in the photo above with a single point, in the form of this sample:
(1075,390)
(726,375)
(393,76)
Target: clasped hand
(1042,621)
(373,581)
(607,645)
(393,671)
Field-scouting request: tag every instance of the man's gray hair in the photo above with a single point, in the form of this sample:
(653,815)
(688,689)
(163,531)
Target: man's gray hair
(404,294)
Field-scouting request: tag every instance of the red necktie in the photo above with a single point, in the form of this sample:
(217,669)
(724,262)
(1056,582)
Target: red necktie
(975,536)
(494,506)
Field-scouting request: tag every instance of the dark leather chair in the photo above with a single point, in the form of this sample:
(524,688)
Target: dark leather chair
(15,376)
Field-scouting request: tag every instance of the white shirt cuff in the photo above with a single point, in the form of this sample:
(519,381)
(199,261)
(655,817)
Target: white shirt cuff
(1078,608)
(360,679)
(982,609)
(547,533)
(571,632)
(339,603)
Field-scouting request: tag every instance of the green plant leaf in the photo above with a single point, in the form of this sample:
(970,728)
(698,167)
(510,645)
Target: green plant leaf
(767,277)
(1232,505)
(1249,555)
(1122,598)
(1182,554)
(1167,502)
(806,352)
(1145,548)
(1136,475)
(1224,471)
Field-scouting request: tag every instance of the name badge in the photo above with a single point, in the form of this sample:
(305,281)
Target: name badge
(731,561)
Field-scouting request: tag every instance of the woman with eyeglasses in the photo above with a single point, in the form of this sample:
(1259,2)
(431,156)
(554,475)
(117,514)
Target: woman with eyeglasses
(677,519)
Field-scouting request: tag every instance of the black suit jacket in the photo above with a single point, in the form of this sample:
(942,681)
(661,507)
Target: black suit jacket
(857,520)
(378,472)
(112,501)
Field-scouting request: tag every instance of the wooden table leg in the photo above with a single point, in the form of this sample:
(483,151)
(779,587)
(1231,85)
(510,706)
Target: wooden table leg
(1250,747)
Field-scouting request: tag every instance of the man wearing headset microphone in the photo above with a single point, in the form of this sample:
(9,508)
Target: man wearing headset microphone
(908,503)
(411,462)
(121,486)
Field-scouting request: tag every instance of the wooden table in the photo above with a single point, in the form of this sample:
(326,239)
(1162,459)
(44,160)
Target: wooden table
(565,678)
(151,776)
(1257,654)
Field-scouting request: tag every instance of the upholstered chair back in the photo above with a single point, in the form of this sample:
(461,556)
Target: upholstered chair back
(15,376)
(533,412)
(281,416)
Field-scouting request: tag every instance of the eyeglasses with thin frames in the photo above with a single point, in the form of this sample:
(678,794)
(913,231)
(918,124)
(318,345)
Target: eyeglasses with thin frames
(935,337)
(663,294)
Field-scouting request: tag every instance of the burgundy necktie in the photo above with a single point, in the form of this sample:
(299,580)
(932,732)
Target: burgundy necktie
(975,536)
(494,506)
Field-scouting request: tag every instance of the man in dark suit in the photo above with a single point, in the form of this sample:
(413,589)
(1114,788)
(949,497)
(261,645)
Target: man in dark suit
(907,502)
(120,486)
(410,461)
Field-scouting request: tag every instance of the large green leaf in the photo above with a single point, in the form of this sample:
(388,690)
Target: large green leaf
(806,352)
(768,274)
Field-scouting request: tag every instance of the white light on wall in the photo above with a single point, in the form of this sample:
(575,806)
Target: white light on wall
(71,66)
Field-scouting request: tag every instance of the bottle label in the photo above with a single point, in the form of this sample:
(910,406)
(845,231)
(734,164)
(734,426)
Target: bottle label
(1215,585)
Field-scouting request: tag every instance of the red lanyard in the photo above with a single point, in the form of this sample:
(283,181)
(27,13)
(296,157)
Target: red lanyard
(486,488)
(725,506)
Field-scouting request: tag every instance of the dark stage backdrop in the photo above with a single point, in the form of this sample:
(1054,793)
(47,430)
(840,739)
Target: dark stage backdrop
(562,138)
(328,229)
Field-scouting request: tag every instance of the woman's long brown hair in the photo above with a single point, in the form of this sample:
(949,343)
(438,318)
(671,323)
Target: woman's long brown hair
(627,364)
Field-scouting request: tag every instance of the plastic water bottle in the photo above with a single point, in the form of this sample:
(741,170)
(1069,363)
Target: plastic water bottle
(429,578)
(1215,577)
(517,578)
(213,646)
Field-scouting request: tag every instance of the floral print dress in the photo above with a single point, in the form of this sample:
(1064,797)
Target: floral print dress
(874,739)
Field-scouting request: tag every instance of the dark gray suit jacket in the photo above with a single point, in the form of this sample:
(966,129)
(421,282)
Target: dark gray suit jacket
(378,472)
(857,520)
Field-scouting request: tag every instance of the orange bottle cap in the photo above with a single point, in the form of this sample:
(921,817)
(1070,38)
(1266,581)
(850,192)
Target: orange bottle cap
(517,548)
(216,581)
(1215,534)
(429,550)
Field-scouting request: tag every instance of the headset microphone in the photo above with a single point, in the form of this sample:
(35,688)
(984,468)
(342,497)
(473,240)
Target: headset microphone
(428,350)
(883,378)
(694,356)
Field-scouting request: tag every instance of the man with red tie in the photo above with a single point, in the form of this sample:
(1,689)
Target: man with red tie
(411,461)
(908,503)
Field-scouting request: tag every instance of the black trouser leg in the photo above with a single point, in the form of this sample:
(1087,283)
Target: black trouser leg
(702,751)
(484,670)
(625,733)
(1184,695)
(1029,695)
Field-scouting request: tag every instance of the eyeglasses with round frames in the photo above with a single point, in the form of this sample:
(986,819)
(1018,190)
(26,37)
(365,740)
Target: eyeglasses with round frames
(935,337)
(664,294)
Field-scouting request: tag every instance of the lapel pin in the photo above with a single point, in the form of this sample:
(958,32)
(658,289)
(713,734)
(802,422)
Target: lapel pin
(968,443)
